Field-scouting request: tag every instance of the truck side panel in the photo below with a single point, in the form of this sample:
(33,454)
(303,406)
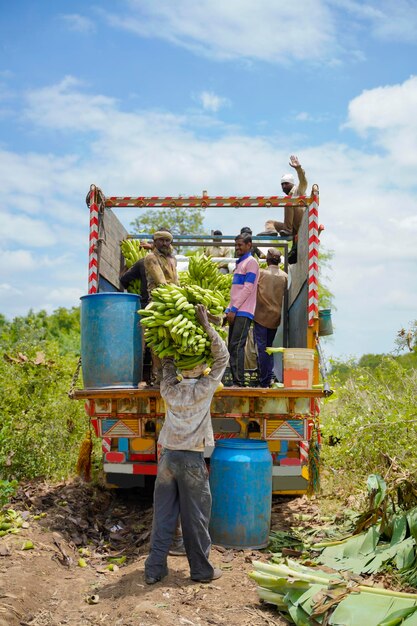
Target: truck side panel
(111,233)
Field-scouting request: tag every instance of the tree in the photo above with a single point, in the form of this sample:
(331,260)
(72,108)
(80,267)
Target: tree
(179,221)
(326,297)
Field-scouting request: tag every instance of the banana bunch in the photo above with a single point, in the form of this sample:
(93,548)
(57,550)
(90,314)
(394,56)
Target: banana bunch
(132,251)
(135,286)
(171,327)
(203,271)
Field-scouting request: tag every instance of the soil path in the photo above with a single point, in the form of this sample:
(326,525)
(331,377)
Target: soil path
(45,586)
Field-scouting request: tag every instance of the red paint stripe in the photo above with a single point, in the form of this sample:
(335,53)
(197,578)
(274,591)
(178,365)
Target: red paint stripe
(147,469)
(142,457)
(105,444)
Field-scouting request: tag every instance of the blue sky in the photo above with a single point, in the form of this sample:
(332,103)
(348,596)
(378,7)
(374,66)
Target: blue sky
(154,97)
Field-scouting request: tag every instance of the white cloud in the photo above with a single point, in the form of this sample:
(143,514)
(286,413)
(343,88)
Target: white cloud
(62,296)
(387,115)
(72,110)
(385,19)
(212,102)
(9,290)
(15,261)
(264,30)
(26,230)
(79,23)
(366,207)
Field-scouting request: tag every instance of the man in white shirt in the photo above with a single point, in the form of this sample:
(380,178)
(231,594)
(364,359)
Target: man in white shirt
(182,486)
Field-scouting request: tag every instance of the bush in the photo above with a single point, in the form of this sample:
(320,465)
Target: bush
(40,427)
(372,413)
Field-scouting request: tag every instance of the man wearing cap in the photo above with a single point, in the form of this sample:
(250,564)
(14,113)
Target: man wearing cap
(292,215)
(272,285)
(182,486)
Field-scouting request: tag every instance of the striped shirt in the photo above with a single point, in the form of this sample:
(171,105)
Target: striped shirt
(243,292)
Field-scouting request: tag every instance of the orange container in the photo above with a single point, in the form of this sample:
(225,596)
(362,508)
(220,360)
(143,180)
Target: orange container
(298,368)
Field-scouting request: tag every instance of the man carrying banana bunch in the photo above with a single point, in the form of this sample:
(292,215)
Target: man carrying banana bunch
(161,269)
(182,486)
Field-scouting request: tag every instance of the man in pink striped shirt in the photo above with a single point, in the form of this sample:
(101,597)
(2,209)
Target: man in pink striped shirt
(242,305)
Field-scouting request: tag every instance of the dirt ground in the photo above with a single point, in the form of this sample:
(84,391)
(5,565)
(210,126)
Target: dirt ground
(45,586)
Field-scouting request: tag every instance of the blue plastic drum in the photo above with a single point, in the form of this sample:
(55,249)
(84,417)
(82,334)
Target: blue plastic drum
(241,487)
(111,340)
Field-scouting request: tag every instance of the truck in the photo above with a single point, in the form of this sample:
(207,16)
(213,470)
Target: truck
(128,420)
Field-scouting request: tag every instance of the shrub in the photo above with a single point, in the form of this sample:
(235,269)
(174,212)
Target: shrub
(372,413)
(40,427)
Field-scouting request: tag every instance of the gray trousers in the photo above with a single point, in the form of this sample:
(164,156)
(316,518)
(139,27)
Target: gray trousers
(181,488)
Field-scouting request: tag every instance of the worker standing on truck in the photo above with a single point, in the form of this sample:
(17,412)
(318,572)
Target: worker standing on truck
(219,251)
(182,486)
(239,313)
(160,264)
(161,269)
(255,251)
(272,285)
(292,215)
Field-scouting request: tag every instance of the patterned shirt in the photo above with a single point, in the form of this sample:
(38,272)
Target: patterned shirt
(187,424)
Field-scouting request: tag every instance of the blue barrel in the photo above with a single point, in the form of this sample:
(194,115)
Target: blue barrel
(241,487)
(111,340)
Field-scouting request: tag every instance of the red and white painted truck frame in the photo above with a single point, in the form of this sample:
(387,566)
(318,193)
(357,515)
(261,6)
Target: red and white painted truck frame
(128,420)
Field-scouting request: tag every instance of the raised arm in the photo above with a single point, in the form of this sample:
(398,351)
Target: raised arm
(219,349)
(302,180)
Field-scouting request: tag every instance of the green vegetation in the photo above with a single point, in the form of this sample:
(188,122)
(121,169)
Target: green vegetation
(178,221)
(326,296)
(372,417)
(40,428)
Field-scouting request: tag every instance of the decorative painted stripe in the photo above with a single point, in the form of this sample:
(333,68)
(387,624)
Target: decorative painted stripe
(118,468)
(304,446)
(93,240)
(94,424)
(142,457)
(107,424)
(106,444)
(285,432)
(225,436)
(205,201)
(120,429)
(313,255)
(149,469)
